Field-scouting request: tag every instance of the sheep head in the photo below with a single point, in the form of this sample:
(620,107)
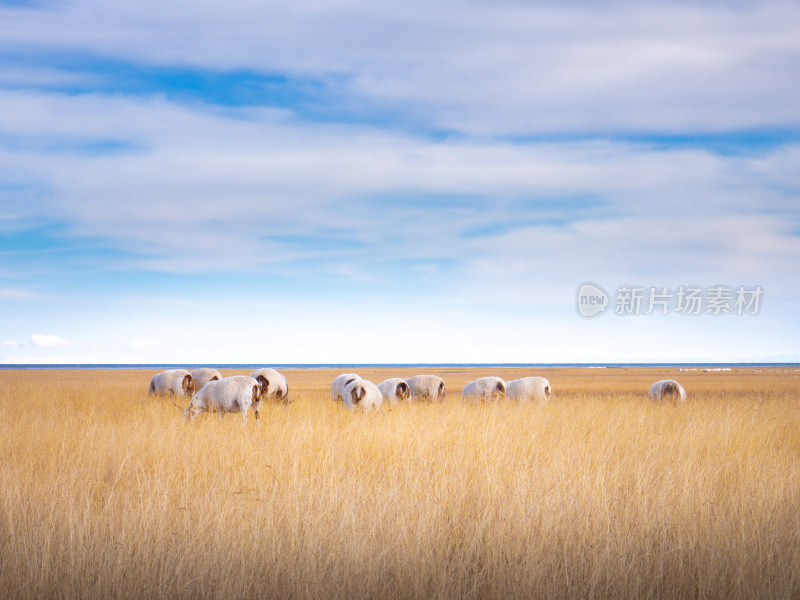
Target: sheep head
(402,391)
(670,390)
(263,383)
(357,393)
(188,385)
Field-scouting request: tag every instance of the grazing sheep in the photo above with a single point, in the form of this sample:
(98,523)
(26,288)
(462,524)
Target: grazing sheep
(485,388)
(528,388)
(203,376)
(274,384)
(667,389)
(362,394)
(174,381)
(338,385)
(427,387)
(394,389)
(230,394)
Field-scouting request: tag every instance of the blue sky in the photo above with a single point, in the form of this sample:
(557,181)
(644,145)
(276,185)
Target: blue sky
(348,182)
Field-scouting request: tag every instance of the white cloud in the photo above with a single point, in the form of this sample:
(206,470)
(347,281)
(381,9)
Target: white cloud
(500,67)
(52,359)
(471,220)
(142,344)
(209,191)
(18,294)
(48,340)
(10,344)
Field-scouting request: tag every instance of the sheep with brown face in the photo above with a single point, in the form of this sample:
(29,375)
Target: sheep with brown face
(274,385)
(362,394)
(667,389)
(484,389)
(338,385)
(528,388)
(177,382)
(229,394)
(394,390)
(426,387)
(203,375)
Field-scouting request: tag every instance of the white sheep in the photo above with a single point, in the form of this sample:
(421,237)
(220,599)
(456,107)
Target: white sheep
(229,394)
(338,385)
(528,388)
(667,389)
(173,381)
(484,388)
(362,394)
(426,387)
(203,375)
(394,389)
(273,383)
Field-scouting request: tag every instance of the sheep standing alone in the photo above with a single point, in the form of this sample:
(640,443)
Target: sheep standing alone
(273,384)
(230,394)
(667,389)
(394,389)
(426,387)
(362,394)
(338,385)
(484,388)
(203,376)
(173,381)
(528,388)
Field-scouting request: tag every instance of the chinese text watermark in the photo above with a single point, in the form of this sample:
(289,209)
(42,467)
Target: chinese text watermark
(688,300)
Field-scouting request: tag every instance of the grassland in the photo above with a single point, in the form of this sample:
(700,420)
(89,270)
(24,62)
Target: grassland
(108,493)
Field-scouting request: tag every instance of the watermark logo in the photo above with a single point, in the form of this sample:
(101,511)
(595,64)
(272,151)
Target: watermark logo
(688,300)
(591,300)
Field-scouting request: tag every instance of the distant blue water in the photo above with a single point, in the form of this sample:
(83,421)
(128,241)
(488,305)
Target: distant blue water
(388,365)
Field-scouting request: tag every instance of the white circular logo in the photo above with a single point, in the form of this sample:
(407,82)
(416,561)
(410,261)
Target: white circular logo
(591,300)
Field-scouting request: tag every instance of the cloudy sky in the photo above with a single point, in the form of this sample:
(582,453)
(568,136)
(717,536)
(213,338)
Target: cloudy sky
(348,181)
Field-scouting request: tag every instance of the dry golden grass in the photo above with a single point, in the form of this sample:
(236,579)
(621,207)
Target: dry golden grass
(107,493)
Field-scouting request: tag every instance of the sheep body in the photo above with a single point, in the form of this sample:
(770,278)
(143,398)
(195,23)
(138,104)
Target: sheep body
(528,388)
(274,385)
(338,385)
(203,375)
(667,389)
(426,387)
(394,389)
(229,394)
(173,381)
(484,388)
(362,394)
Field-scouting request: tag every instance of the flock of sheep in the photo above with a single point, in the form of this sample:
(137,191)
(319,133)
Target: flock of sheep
(210,391)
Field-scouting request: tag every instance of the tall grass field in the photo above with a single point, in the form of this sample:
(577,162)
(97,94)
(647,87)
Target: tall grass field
(108,493)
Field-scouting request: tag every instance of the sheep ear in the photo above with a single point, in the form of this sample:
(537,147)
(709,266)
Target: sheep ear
(186,381)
